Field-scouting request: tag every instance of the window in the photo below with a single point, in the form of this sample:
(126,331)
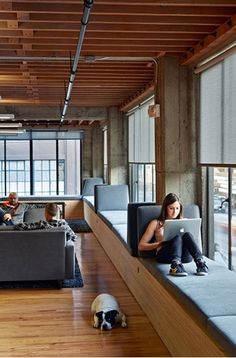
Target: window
(222,201)
(217,113)
(217,152)
(40,167)
(142,180)
(105,156)
(142,177)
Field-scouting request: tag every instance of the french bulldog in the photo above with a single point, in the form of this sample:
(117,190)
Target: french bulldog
(106,312)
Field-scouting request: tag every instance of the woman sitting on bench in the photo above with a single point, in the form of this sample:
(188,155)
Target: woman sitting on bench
(180,248)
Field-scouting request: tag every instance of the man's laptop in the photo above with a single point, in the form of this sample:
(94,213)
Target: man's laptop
(180,226)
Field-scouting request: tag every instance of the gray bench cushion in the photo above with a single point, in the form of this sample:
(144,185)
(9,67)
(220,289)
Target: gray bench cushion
(203,296)
(89,200)
(223,329)
(121,231)
(114,217)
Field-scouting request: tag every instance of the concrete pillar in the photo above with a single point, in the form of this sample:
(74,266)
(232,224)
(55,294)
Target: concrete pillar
(178,168)
(117,147)
(87,154)
(97,151)
(93,153)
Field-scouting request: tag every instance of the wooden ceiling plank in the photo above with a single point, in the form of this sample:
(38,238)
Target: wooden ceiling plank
(212,42)
(133,28)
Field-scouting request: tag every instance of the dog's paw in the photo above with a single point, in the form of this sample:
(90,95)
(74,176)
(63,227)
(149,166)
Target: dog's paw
(95,325)
(124,325)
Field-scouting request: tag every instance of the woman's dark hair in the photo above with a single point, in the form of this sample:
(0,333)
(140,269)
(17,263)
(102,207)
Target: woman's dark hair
(169,199)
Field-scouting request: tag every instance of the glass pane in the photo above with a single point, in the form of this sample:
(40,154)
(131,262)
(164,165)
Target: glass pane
(233,222)
(45,165)
(221,215)
(70,167)
(149,182)
(140,182)
(37,165)
(17,155)
(17,171)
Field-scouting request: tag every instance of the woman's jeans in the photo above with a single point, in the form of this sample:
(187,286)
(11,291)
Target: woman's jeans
(182,248)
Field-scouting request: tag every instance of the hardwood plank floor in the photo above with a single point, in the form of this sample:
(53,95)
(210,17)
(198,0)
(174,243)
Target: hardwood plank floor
(58,323)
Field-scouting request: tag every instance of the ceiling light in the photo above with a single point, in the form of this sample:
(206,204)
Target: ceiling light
(11,131)
(10,125)
(7,116)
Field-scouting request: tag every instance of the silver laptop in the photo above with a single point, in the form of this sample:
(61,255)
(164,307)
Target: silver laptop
(180,226)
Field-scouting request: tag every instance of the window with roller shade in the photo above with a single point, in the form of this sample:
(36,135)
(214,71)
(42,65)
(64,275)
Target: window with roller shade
(218,113)
(218,154)
(142,181)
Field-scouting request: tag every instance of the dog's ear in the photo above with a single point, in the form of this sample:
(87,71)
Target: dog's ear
(99,315)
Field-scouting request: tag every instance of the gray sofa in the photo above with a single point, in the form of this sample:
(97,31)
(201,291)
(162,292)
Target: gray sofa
(35,254)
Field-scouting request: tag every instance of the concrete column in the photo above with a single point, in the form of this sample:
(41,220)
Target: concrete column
(97,151)
(87,154)
(117,147)
(178,124)
(93,153)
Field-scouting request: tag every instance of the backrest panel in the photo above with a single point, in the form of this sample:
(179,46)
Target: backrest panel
(111,197)
(89,184)
(132,235)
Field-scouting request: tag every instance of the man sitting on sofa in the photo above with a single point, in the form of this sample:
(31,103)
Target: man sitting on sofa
(16,209)
(51,211)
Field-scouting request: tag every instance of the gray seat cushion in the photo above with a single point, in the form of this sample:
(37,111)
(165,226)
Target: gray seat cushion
(203,296)
(121,231)
(89,200)
(222,329)
(114,217)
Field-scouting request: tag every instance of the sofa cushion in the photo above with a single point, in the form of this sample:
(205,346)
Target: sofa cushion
(34,215)
(222,329)
(6,227)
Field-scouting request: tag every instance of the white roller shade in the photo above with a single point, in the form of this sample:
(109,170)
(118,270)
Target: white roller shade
(141,136)
(218,113)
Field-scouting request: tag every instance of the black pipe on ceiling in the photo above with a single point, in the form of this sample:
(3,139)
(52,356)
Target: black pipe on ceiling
(84,21)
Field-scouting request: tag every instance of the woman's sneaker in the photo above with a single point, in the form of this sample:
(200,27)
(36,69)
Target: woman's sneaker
(177,269)
(202,269)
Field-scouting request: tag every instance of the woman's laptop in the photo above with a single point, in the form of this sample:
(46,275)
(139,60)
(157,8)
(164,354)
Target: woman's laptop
(180,226)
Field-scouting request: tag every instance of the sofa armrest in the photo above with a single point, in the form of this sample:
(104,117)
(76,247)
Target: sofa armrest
(70,260)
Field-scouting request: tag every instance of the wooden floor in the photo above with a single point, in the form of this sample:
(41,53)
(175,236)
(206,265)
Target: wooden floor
(58,323)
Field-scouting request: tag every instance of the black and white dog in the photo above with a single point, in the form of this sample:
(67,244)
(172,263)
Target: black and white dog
(106,312)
